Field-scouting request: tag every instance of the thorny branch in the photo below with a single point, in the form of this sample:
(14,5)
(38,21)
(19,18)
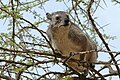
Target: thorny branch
(60,56)
(40,33)
(98,73)
(13,13)
(100,35)
(25,53)
(6,77)
(60,73)
(42,62)
(116,1)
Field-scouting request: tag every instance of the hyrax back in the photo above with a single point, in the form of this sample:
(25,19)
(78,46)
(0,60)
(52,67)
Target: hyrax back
(67,37)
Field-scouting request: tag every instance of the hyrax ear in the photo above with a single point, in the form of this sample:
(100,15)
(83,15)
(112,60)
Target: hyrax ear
(49,16)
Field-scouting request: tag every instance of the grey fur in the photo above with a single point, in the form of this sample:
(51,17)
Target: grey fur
(68,37)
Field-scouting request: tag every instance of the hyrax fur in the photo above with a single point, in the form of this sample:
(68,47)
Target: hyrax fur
(67,37)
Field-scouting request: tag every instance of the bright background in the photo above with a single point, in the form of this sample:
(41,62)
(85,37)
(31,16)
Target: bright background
(109,15)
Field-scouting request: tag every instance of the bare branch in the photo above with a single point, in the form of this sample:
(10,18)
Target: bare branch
(6,77)
(100,35)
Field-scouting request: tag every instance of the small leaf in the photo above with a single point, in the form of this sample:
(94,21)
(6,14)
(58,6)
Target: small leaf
(17,69)
(31,53)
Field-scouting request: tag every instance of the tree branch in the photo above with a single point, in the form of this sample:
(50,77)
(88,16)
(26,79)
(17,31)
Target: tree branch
(100,35)
(6,77)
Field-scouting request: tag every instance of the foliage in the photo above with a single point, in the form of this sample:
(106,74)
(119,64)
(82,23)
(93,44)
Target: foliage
(25,53)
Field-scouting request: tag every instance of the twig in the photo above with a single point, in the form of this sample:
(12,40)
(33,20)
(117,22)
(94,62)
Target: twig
(99,74)
(6,77)
(116,1)
(100,35)
(111,74)
(13,18)
(52,55)
(43,76)
(40,33)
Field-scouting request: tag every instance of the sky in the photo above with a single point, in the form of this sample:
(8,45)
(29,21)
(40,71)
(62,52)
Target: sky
(109,15)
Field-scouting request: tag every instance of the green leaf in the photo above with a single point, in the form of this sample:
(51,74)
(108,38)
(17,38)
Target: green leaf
(31,53)
(17,69)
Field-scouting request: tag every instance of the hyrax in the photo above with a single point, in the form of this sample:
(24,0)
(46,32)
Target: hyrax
(67,37)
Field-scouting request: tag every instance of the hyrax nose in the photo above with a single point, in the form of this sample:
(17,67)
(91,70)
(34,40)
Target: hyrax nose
(66,21)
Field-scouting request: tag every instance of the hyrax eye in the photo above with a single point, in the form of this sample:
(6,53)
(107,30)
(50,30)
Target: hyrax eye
(58,17)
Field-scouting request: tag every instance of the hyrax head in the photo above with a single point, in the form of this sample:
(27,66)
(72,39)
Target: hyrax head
(59,18)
